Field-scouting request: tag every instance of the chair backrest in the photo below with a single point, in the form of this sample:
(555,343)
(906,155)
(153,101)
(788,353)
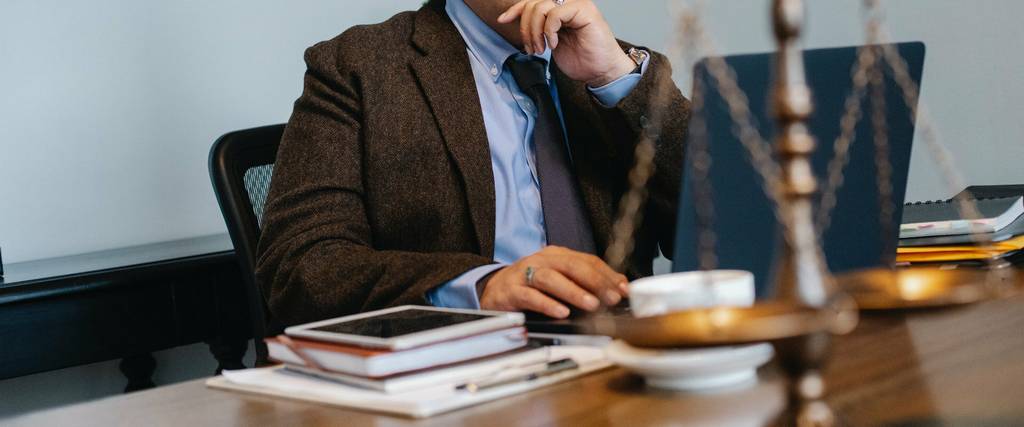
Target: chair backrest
(241,166)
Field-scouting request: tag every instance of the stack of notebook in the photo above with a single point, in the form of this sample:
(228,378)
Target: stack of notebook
(938,232)
(453,388)
(414,361)
(399,370)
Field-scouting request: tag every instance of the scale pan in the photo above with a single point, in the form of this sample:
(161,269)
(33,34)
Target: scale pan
(925,287)
(717,326)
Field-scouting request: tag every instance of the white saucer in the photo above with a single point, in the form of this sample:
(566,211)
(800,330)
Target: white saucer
(693,370)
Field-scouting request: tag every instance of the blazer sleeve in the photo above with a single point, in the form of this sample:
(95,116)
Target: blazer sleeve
(655,108)
(316,253)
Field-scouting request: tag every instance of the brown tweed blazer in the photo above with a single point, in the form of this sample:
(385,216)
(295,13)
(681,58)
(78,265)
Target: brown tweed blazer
(383,188)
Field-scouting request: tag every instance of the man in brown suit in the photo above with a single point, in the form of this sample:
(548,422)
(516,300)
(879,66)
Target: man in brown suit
(430,161)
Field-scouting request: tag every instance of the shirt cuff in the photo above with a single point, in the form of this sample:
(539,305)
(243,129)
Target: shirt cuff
(461,291)
(610,94)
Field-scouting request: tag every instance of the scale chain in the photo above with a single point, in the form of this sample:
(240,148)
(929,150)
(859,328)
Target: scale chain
(966,206)
(866,72)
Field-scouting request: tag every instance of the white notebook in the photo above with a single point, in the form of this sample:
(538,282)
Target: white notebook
(419,403)
(379,363)
(466,371)
(943,217)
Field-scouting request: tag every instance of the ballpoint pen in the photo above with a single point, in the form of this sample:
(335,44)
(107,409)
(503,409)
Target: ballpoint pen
(548,369)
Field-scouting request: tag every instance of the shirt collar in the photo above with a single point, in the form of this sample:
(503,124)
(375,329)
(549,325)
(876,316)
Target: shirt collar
(489,47)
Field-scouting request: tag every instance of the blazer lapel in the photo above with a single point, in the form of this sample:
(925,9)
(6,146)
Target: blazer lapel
(445,76)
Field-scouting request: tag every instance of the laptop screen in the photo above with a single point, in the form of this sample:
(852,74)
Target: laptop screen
(747,232)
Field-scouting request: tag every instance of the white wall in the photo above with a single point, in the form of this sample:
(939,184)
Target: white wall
(108,109)
(972,83)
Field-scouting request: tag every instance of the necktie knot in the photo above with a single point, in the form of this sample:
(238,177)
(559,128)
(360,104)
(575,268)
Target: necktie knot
(529,72)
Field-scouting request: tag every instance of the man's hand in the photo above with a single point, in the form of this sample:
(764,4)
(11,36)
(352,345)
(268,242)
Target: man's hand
(581,41)
(559,274)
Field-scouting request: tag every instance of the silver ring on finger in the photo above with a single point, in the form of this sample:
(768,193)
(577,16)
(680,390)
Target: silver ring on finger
(530,272)
(559,2)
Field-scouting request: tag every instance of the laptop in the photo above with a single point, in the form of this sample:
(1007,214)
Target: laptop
(746,228)
(748,236)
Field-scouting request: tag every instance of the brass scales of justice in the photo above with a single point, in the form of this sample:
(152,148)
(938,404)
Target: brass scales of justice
(810,304)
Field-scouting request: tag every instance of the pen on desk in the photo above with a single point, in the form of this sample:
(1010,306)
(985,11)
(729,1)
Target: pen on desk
(543,341)
(549,369)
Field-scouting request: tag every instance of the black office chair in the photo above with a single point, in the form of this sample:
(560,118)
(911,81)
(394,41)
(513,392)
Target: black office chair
(241,165)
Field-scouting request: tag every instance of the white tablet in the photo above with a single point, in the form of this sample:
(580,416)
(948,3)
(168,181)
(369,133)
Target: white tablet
(405,327)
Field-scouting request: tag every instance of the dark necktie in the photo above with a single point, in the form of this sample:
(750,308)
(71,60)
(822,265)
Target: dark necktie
(565,220)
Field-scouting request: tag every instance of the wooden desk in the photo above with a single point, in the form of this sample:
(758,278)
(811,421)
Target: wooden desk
(123,303)
(962,367)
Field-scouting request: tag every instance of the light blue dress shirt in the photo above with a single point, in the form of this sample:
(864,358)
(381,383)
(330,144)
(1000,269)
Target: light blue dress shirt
(509,118)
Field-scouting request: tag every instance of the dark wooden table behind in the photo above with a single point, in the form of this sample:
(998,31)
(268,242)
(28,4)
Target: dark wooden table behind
(962,367)
(123,304)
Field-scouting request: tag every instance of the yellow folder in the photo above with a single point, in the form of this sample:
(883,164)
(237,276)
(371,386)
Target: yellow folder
(959,252)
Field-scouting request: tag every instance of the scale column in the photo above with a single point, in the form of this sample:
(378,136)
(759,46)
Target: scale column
(801,277)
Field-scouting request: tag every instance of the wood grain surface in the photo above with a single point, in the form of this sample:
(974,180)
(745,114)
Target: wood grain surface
(960,367)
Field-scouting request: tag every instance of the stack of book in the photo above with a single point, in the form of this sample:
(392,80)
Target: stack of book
(937,232)
(394,371)
(412,361)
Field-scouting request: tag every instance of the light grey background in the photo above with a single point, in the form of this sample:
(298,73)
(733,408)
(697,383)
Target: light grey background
(108,109)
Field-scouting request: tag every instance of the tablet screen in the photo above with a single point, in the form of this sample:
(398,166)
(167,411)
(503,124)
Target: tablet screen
(399,323)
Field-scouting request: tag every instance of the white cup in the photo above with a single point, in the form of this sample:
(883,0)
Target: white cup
(656,295)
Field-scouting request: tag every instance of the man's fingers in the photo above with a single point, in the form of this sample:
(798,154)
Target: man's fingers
(591,269)
(592,274)
(557,18)
(619,279)
(524,25)
(551,28)
(513,12)
(537,18)
(526,298)
(566,16)
(557,285)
